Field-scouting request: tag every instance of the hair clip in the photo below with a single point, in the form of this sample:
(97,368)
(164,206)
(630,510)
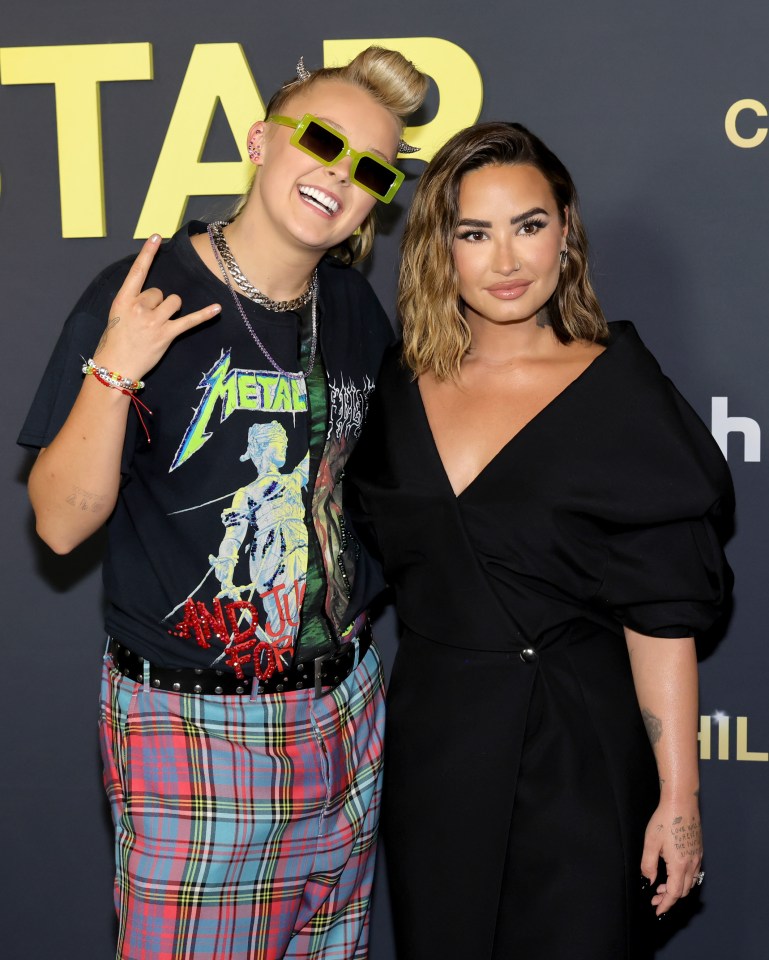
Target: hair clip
(404,147)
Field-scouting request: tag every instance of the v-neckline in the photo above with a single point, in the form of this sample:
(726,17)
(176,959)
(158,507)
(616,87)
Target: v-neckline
(509,442)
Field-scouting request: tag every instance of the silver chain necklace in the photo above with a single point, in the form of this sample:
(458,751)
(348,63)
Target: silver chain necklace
(217,237)
(216,232)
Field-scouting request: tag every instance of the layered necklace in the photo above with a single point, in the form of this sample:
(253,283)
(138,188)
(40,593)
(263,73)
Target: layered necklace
(223,255)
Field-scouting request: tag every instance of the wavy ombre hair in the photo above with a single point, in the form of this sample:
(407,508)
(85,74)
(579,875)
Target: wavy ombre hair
(435,333)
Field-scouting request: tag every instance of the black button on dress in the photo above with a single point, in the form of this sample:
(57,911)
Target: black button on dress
(519,775)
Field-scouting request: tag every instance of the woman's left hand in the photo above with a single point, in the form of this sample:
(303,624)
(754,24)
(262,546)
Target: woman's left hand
(674,833)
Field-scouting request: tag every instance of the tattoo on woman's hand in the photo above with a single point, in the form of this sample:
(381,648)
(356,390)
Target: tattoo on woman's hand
(687,837)
(103,339)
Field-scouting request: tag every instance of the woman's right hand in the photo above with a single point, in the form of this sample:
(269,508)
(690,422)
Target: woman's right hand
(140,329)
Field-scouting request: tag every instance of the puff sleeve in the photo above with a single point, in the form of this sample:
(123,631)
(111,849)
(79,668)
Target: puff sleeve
(666,574)
(669,580)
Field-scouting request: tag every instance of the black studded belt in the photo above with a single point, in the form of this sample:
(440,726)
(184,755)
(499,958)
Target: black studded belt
(320,673)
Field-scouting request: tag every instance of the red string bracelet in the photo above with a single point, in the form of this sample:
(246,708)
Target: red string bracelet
(129,393)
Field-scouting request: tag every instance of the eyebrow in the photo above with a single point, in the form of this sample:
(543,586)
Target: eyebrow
(513,220)
(341,129)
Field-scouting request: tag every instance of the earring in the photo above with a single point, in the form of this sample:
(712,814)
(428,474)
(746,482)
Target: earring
(254,151)
(564,258)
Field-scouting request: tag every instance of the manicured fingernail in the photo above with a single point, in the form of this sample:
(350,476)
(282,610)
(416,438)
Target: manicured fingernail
(645,883)
(662,916)
(155,238)
(216,308)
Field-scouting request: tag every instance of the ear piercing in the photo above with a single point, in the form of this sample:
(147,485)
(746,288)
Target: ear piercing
(254,151)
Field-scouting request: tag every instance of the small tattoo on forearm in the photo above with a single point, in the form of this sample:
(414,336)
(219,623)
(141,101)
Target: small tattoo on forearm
(84,500)
(103,339)
(653,726)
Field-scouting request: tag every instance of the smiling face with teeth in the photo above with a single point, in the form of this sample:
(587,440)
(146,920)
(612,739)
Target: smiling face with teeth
(298,198)
(324,201)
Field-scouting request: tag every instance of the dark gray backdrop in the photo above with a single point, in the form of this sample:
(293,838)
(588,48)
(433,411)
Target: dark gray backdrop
(634,98)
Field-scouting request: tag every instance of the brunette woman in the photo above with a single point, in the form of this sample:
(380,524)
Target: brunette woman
(242,702)
(549,513)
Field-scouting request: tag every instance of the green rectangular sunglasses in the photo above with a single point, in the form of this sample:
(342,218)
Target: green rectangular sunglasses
(326,145)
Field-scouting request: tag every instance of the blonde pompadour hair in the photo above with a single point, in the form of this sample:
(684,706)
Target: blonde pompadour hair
(392,81)
(435,333)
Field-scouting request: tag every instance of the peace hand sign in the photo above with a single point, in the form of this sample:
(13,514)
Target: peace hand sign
(140,329)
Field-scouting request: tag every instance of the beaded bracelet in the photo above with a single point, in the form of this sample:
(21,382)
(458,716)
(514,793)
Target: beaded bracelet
(123,384)
(111,379)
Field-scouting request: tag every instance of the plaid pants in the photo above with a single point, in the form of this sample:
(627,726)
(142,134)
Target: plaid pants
(245,828)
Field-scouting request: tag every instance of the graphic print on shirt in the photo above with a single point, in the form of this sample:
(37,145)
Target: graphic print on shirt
(246,606)
(238,389)
(348,405)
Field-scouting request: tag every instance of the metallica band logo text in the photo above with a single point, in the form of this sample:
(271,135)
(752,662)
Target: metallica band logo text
(263,390)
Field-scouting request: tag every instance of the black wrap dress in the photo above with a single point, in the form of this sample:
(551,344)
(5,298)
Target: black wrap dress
(519,774)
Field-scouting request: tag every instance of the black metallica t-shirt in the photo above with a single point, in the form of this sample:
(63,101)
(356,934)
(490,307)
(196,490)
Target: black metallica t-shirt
(219,515)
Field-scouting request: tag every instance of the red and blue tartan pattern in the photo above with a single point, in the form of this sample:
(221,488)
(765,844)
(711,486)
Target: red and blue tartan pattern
(244,828)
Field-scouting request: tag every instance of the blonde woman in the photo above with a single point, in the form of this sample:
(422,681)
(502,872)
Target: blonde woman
(240,715)
(548,510)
